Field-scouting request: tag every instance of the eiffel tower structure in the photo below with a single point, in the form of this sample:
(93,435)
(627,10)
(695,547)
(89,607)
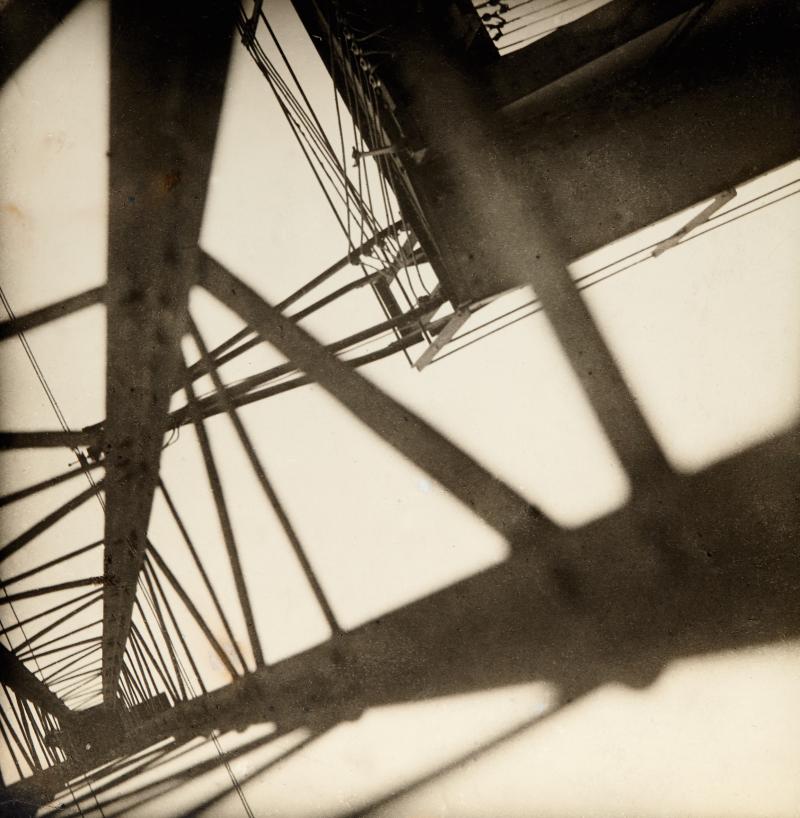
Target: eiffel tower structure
(507,145)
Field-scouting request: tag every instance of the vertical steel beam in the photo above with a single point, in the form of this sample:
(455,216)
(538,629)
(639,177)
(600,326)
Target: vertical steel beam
(168,69)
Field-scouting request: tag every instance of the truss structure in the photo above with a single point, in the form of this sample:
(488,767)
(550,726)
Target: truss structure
(692,564)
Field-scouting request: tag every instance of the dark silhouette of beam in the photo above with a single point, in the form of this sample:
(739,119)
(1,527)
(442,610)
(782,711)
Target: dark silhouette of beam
(175,627)
(168,69)
(49,611)
(66,662)
(162,627)
(225,523)
(480,491)
(650,129)
(266,484)
(45,439)
(24,25)
(156,657)
(4,583)
(578,43)
(21,494)
(617,600)
(195,613)
(49,520)
(617,125)
(494,228)
(26,685)
(243,392)
(625,620)
(70,646)
(67,306)
(8,599)
(198,369)
(91,598)
(613,155)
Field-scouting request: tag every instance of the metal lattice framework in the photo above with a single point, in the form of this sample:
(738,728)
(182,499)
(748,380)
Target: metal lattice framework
(668,575)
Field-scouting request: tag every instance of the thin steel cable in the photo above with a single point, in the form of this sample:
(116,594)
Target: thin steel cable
(187,682)
(49,393)
(304,124)
(715,225)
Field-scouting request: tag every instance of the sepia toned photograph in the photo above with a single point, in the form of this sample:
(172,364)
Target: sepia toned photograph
(400,408)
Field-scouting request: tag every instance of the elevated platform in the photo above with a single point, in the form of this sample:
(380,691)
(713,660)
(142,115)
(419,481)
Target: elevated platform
(611,123)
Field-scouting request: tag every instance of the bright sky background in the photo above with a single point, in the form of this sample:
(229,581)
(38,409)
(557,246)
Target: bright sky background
(708,336)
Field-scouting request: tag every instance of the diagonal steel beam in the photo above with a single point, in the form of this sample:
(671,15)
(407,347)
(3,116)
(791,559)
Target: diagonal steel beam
(45,439)
(10,599)
(617,149)
(198,369)
(15,675)
(21,494)
(24,26)
(496,628)
(491,214)
(197,616)
(7,733)
(21,623)
(168,69)
(226,526)
(178,630)
(173,581)
(240,392)
(4,583)
(52,312)
(69,646)
(266,484)
(92,597)
(490,498)
(63,663)
(49,520)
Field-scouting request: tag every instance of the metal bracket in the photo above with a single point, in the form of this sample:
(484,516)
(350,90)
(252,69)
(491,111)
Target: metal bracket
(359,155)
(455,323)
(703,216)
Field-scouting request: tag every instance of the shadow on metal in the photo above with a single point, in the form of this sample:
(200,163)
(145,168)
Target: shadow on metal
(618,618)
